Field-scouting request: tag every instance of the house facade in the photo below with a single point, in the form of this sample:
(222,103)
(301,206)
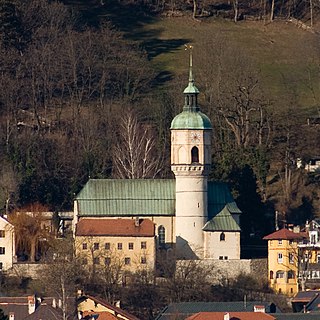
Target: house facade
(283,260)
(7,244)
(296,255)
(126,243)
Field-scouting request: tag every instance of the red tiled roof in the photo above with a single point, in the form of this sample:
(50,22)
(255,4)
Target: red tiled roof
(101,315)
(285,234)
(115,227)
(233,316)
(119,312)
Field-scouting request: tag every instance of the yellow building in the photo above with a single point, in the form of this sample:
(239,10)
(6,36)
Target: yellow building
(126,243)
(283,260)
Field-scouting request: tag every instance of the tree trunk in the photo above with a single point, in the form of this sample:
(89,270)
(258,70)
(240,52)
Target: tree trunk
(311,13)
(235,8)
(272,11)
(33,246)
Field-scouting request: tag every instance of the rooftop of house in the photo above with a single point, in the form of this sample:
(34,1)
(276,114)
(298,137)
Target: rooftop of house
(297,316)
(20,308)
(232,316)
(185,309)
(118,313)
(285,234)
(115,227)
(98,316)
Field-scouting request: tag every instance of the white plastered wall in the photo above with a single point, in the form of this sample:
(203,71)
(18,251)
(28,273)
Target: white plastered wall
(7,242)
(228,249)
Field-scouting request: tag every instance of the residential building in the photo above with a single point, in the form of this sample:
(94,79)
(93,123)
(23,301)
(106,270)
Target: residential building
(183,310)
(126,242)
(7,245)
(309,256)
(231,316)
(90,307)
(31,308)
(283,260)
(194,217)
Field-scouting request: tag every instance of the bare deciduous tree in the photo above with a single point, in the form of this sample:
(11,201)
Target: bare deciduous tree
(135,154)
(30,229)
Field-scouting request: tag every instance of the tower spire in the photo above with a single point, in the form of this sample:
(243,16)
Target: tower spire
(190,48)
(191,91)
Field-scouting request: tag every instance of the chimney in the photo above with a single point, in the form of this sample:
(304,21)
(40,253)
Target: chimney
(259,309)
(31,304)
(307,227)
(118,304)
(54,303)
(226,316)
(60,303)
(11,315)
(296,229)
(136,222)
(79,293)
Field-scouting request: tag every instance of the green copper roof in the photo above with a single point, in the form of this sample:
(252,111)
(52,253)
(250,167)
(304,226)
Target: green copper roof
(191,88)
(109,197)
(223,221)
(191,117)
(144,197)
(191,120)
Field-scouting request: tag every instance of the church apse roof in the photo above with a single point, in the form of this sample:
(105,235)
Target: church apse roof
(144,197)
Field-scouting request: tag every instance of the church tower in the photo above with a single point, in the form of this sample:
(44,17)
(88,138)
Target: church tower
(191,162)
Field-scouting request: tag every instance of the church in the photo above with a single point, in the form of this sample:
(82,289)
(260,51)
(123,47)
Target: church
(192,217)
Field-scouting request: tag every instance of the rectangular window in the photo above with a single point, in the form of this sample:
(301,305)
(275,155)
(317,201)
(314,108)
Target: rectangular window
(225,258)
(220,257)
(84,246)
(107,261)
(119,246)
(96,260)
(2,234)
(1,265)
(107,246)
(318,257)
(280,242)
(143,260)
(280,258)
(127,261)
(2,250)
(143,245)
(96,246)
(84,261)
(130,245)
(291,258)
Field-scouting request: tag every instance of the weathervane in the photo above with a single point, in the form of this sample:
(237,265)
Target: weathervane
(190,48)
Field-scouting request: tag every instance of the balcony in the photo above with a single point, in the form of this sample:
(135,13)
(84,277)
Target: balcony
(306,244)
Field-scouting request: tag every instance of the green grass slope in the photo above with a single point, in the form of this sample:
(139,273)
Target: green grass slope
(287,56)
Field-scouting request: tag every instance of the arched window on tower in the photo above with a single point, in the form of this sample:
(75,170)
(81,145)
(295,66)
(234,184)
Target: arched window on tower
(162,235)
(222,236)
(194,155)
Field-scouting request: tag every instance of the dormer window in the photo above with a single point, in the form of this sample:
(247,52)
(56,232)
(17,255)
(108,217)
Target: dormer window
(194,155)
(222,236)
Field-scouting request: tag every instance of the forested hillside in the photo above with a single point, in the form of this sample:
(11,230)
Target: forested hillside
(88,89)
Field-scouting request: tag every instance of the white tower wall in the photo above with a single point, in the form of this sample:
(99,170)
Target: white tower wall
(191,189)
